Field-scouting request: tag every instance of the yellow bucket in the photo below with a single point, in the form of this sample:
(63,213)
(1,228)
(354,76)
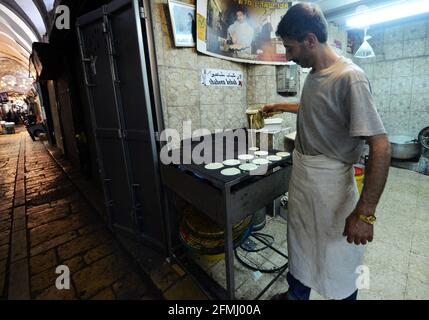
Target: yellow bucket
(359,182)
(213,257)
(359,177)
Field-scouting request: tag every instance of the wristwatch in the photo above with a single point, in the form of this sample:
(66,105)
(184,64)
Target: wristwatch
(368,219)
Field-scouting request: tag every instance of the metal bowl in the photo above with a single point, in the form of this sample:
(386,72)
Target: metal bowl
(404,147)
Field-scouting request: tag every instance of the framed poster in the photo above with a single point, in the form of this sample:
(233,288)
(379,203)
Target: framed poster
(183,23)
(241,30)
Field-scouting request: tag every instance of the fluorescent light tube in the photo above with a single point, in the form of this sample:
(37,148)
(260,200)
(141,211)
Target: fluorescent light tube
(391,12)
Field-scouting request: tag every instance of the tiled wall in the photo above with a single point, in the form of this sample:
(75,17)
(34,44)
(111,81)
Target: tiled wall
(399,75)
(183,95)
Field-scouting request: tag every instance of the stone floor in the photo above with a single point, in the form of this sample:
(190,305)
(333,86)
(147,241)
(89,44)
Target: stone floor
(45,223)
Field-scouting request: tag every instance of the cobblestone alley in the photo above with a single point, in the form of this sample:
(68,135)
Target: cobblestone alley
(44,223)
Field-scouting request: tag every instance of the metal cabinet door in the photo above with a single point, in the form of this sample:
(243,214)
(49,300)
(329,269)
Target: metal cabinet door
(117,73)
(105,119)
(129,44)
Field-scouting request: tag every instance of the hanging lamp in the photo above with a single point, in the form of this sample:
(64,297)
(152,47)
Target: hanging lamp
(365,51)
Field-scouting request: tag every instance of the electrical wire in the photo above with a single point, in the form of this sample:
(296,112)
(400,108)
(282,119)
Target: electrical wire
(261,237)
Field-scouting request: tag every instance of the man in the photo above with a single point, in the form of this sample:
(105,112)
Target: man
(190,26)
(240,33)
(263,38)
(328,222)
(9,116)
(221,26)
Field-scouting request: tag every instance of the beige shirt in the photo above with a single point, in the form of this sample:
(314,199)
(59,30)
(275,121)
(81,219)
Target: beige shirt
(243,33)
(336,111)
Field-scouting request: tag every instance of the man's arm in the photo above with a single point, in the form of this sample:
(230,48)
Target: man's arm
(376,172)
(283,107)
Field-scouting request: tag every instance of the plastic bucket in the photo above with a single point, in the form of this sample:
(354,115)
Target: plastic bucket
(359,177)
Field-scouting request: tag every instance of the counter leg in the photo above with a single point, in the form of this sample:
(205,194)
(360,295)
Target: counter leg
(229,250)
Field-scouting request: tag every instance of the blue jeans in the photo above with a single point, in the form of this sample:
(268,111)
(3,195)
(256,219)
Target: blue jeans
(298,291)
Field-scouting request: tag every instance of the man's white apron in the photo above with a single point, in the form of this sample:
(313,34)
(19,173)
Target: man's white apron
(322,194)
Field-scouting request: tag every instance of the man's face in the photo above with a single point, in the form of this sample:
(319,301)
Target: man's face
(240,16)
(297,52)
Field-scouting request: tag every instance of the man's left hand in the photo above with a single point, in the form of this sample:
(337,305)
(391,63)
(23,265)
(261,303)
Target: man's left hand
(358,231)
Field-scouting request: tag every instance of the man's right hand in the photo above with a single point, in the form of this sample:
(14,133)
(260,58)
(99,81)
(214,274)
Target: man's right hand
(268,108)
(279,107)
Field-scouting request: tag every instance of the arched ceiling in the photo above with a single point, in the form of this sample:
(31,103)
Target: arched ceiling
(22,22)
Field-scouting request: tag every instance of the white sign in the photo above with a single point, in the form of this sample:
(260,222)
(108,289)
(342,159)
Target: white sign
(223,78)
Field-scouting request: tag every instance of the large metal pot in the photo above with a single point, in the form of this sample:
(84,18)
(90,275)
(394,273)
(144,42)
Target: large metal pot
(404,147)
(424,141)
(425,147)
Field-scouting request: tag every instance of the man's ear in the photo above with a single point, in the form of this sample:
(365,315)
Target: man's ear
(311,40)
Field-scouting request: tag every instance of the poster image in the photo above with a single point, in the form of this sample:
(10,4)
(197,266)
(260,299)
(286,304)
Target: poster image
(241,30)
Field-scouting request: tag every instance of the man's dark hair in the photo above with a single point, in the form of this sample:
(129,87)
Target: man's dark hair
(302,19)
(242,9)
